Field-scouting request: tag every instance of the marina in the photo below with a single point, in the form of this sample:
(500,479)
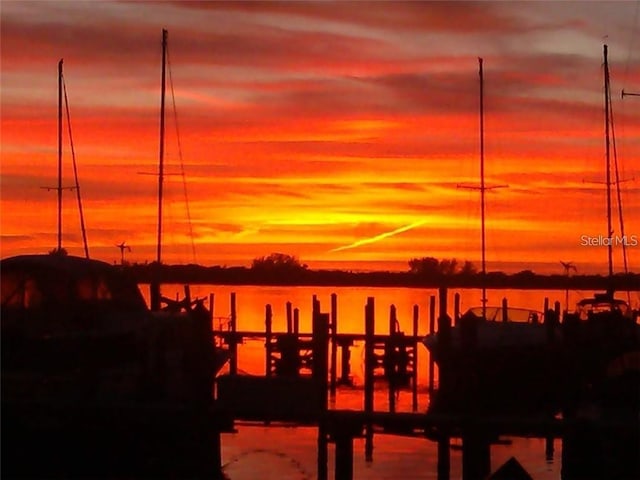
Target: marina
(341,135)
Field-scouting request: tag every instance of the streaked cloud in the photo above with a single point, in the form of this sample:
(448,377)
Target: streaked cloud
(334,131)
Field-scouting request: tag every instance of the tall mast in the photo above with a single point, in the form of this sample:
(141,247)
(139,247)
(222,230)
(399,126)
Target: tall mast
(161,159)
(60,155)
(608,159)
(482,191)
(154,288)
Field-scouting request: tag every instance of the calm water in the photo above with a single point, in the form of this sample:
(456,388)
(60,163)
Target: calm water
(280,453)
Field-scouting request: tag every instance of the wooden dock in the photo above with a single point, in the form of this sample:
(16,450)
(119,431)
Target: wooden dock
(301,375)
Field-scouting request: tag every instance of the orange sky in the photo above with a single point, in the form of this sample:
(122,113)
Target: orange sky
(336,132)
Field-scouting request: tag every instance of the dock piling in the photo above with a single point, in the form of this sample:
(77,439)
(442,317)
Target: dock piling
(334,345)
(296,321)
(432,328)
(233,340)
(216,452)
(546,305)
(476,456)
(414,379)
(320,331)
(369,365)
(390,360)
(345,362)
(268,345)
(344,457)
(444,458)
(549,449)
(289,318)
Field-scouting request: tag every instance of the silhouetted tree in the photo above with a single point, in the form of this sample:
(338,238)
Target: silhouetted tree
(448,266)
(424,266)
(278,262)
(525,274)
(468,268)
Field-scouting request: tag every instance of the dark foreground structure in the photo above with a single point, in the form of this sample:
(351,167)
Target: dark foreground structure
(96,385)
(595,412)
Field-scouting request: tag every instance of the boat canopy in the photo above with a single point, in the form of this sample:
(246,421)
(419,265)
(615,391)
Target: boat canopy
(58,282)
(520,315)
(602,302)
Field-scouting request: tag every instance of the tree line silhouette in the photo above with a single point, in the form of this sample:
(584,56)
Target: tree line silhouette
(284,269)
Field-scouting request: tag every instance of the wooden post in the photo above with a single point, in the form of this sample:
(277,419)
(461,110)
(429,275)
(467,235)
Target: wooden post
(444,458)
(549,448)
(414,379)
(344,457)
(233,343)
(216,449)
(268,320)
(334,345)
(546,305)
(289,318)
(556,308)
(456,308)
(369,329)
(476,457)
(211,305)
(432,328)
(444,335)
(505,315)
(345,360)
(320,372)
(390,354)
(296,321)
(187,296)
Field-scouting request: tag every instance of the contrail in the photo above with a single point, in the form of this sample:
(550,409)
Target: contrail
(382,236)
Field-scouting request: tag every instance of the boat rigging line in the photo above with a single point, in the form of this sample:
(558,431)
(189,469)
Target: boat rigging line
(184,180)
(75,170)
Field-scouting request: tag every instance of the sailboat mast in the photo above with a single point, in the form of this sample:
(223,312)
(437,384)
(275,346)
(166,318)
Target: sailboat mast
(608,158)
(482,189)
(161,159)
(60,155)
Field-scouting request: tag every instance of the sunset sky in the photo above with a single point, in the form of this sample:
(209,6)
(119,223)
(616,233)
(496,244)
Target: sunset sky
(334,131)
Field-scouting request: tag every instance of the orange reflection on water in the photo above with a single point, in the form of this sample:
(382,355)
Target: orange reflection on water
(251,302)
